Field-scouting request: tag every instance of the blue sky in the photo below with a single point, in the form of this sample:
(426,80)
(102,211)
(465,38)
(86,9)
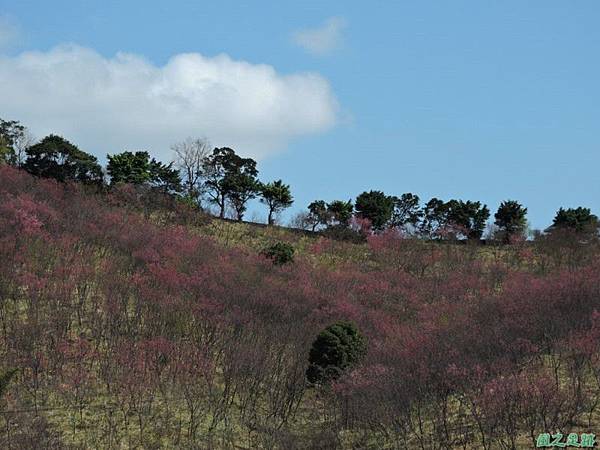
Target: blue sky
(464,99)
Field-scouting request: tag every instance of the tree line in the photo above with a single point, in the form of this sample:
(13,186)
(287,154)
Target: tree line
(439,219)
(197,173)
(228,181)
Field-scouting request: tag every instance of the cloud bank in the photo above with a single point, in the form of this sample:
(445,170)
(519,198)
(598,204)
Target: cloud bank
(106,105)
(323,40)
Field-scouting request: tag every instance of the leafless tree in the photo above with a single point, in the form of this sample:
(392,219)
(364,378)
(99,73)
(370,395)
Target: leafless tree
(189,155)
(22,142)
(303,221)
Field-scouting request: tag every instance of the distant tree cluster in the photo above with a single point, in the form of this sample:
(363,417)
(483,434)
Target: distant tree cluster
(438,219)
(575,219)
(435,220)
(229,181)
(197,173)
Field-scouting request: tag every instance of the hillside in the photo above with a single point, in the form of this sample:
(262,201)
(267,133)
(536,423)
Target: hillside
(146,325)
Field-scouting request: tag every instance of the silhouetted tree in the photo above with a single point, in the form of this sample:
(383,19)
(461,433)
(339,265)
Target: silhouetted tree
(229,177)
(435,217)
(139,168)
(511,218)
(376,207)
(407,211)
(318,214)
(242,188)
(575,219)
(276,196)
(165,177)
(470,216)
(340,212)
(55,157)
(454,218)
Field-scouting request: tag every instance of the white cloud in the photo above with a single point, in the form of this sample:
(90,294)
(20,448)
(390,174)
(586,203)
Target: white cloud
(106,105)
(9,32)
(322,40)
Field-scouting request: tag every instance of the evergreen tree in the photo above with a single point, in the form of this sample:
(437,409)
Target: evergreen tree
(340,212)
(376,207)
(276,196)
(511,218)
(575,219)
(337,348)
(139,168)
(55,157)
(229,177)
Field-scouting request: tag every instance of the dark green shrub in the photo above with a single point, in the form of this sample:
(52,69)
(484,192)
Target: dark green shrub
(280,253)
(337,348)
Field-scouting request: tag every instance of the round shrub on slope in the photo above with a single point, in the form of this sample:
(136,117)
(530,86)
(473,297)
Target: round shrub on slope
(337,347)
(280,253)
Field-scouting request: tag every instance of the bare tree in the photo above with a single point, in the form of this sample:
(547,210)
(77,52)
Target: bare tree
(22,142)
(304,221)
(189,156)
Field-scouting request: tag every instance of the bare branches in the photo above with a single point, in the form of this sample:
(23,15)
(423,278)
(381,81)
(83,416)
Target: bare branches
(189,156)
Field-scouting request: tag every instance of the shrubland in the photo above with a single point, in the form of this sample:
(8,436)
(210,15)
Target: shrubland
(129,320)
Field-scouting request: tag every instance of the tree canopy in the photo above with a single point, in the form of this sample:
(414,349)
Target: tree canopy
(55,157)
(129,167)
(230,178)
(407,211)
(139,168)
(511,218)
(317,214)
(340,212)
(376,207)
(575,219)
(434,217)
(469,216)
(277,196)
